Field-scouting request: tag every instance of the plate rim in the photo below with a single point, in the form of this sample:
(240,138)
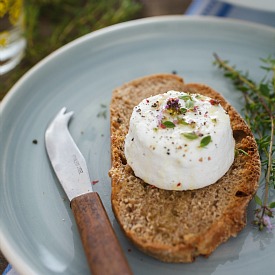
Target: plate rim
(7,248)
(127,24)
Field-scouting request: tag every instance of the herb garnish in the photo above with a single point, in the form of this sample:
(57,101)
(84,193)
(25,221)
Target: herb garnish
(259,112)
(168,124)
(182,121)
(190,135)
(173,106)
(185,97)
(205,141)
(103,111)
(189,104)
(183,110)
(239,150)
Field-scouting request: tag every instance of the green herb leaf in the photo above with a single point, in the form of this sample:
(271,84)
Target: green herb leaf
(189,104)
(214,120)
(182,121)
(258,200)
(168,124)
(205,141)
(242,151)
(264,89)
(259,113)
(185,97)
(190,135)
(183,110)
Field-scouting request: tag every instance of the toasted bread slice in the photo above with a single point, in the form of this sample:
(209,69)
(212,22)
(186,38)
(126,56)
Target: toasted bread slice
(178,226)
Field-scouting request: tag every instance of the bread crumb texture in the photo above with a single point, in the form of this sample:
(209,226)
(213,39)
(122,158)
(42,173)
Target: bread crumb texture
(178,226)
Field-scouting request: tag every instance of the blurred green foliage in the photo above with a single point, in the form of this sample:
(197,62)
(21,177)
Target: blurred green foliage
(51,24)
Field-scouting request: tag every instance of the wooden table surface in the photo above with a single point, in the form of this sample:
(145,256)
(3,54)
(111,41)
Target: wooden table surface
(150,8)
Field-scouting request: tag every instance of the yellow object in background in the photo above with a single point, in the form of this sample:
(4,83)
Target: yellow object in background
(12,41)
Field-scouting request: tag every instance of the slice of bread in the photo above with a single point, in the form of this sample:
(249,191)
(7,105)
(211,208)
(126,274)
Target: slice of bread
(178,226)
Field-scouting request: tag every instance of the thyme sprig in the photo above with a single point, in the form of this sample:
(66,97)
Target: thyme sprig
(259,112)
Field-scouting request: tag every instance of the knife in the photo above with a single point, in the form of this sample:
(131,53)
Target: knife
(101,246)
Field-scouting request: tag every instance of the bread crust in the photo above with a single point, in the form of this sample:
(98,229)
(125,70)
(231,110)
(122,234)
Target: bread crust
(178,226)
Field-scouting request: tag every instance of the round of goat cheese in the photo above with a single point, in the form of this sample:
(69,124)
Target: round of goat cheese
(179,141)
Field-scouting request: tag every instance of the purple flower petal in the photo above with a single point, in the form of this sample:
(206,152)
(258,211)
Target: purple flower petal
(267,223)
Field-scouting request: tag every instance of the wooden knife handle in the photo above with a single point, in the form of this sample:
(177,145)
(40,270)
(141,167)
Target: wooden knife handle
(101,246)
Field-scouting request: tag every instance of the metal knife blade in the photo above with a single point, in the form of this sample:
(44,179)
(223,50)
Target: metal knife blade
(67,161)
(101,246)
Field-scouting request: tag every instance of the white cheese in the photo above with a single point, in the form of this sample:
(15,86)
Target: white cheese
(179,141)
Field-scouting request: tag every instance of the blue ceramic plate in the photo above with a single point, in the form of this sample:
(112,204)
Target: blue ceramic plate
(38,233)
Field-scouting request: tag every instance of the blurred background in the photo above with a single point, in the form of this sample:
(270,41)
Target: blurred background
(50,24)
